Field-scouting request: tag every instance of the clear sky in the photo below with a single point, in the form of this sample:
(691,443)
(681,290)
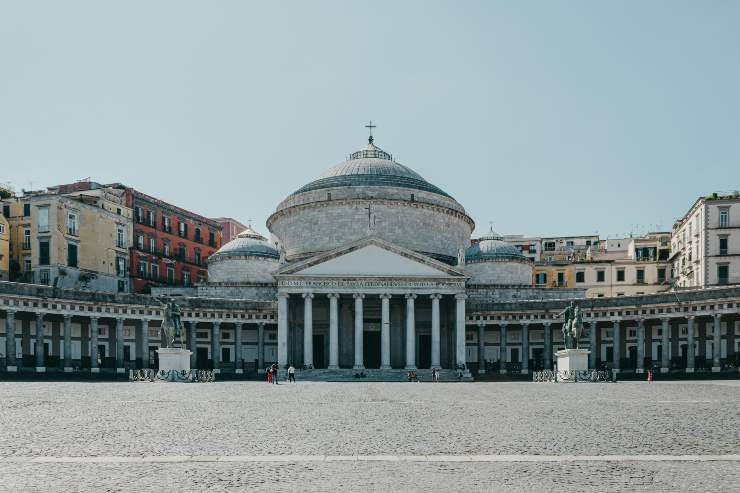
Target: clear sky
(545,118)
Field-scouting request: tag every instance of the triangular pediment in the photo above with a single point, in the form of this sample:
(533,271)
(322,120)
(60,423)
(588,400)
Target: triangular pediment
(371,257)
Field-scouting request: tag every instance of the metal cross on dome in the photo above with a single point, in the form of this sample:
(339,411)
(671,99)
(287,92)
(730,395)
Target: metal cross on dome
(371,127)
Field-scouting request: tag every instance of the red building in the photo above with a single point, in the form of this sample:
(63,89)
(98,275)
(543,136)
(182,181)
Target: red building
(170,244)
(230,227)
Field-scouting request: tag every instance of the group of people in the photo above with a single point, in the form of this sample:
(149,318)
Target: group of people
(273,372)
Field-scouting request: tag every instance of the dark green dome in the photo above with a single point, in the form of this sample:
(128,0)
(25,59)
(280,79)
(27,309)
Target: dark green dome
(248,243)
(371,167)
(492,247)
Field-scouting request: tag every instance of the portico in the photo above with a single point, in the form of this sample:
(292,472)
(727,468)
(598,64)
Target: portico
(371,305)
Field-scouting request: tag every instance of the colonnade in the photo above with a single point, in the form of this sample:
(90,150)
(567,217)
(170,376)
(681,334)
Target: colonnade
(359,327)
(671,346)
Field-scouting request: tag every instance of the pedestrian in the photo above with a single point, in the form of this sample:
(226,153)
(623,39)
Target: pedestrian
(291,374)
(269,375)
(275,373)
(650,376)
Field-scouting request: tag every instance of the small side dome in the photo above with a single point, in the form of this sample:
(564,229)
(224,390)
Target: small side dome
(493,261)
(247,259)
(248,243)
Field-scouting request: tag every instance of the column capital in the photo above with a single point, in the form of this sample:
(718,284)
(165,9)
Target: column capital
(358,296)
(39,316)
(461,296)
(525,323)
(481,323)
(333,295)
(283,295)
(435,296)
(10,312)
(145,322)
(640,322)
(239,324)
(547,323)
(689,317)
(386,296)
(262,323)
(410,296)
(307,296)
(717,316)
(503,323)
(94,317)
(217,323)
(67,316)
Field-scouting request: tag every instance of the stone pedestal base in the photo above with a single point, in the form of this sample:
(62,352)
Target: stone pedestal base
(40,369)
(573,359)
(716,369)
(174,359)
(689,370)
(13,369)
(68,369)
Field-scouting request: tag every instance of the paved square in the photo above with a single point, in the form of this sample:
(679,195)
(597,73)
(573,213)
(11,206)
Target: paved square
(369,436)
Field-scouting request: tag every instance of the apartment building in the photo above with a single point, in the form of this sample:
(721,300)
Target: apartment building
(230,227)
(705,243)
(530,246)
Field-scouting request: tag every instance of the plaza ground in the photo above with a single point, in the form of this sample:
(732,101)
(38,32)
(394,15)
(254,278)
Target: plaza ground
(226,436)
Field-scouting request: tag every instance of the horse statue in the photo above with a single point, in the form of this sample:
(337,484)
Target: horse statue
(573,325)
(172,325)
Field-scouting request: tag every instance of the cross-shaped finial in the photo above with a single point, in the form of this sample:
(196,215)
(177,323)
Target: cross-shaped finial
(371,127)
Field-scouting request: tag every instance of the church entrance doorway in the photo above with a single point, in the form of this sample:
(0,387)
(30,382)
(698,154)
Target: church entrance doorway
(371,349)
(318,351)
(201,358)
(424,357)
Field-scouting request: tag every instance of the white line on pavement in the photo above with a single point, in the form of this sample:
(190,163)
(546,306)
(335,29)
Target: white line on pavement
(361,458)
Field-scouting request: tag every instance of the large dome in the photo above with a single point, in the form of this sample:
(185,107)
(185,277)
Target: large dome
(491,260)
(370,194)
(249,258)
(371,167)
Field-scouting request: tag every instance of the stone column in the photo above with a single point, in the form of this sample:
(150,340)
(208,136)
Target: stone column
(260,346)
(359,356)
(216,346)
(410,332)
(39,347)
(525,347)
(503,353)
(640,346)
(435,331)
(460,330)
(282,336)
(333,331)
(308,329)
(481,347)
(717,353)
(665,345)
(10,362)
(690,344)
(67,343)
(94,345)
(119,346)
(617,344)
(385,331)
(193,343)
(548,344)
(592,327)
(145,342)
(238,348)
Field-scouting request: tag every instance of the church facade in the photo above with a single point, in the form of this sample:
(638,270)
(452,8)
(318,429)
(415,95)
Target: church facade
(369,268)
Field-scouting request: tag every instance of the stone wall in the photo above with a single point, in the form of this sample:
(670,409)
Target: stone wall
(240,269)
(500,273)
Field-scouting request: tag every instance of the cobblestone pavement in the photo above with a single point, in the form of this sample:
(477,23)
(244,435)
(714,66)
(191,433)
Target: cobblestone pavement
(61,420)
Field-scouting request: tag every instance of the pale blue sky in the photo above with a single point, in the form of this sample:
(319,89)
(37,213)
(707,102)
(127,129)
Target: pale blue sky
(544,117)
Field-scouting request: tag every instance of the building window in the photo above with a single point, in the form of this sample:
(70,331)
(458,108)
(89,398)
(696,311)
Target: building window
(152,244)
(561,279)
(540,278)
(121,286)
(44,276)
(212,239)
(201,277)
(120,237)
(724,218)
(197,256)
(150,218)
(640,276)
(197,235)
(26,239)
(72,224)
(549,246)
(182,229)
(72,255)
(569,243)
(533,248)
(723,274)
(413,197)
(142,269)
(661,275)
(166,226)
(140,241)
(170,275)
(26,264)
(120,267)
(181,251)
(6,210)
(600,276)
(581,276)
(44,252)
(186,278)
(26,210)
(620,275)
(139,215)
(118,211)
(166,248)
(43,219)
(155,271)
(723,246)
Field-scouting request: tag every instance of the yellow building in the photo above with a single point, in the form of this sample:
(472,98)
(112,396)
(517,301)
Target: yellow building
(70,239)
(4,249)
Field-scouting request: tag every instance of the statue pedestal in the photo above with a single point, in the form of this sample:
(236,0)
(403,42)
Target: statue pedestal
(572,359)
(173,358)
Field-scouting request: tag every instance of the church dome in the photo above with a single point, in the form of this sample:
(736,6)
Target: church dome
(370,167)
(370,194)
(247,259)
(493,261)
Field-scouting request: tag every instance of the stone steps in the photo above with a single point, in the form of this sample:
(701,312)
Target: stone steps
(371,375)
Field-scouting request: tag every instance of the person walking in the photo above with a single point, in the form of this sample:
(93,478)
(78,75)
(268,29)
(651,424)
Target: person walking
(291,374)
(269,375)
(650,376)
(275,373)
